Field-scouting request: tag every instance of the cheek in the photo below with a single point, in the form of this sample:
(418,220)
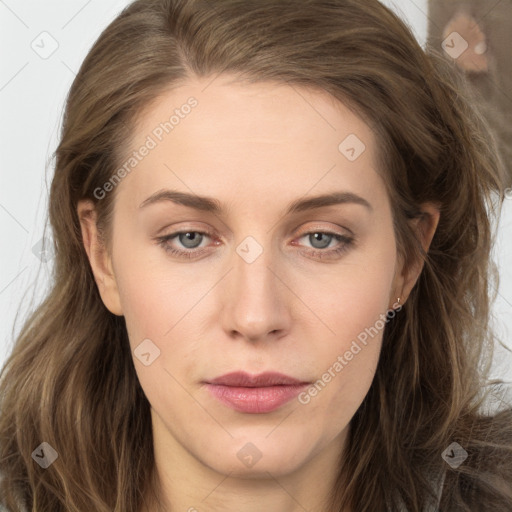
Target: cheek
(159,312)
(353,299)
(155,293)
(354,309)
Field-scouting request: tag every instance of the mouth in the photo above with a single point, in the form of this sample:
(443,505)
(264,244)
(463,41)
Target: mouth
(255,394)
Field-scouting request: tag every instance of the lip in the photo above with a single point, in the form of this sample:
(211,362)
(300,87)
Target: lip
(255,394)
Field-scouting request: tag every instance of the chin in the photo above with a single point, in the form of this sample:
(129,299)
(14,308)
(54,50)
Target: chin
(252,458)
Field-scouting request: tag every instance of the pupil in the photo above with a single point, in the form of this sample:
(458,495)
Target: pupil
(319,236)
(189,237)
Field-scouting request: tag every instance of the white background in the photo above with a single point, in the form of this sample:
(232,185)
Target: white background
(32,94)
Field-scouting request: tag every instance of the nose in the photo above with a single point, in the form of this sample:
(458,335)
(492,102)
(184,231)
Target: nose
(257,300)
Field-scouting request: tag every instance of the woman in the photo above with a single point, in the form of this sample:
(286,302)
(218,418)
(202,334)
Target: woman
(272,226)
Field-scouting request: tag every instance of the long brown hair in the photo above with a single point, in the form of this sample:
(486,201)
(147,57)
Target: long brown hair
(70,379)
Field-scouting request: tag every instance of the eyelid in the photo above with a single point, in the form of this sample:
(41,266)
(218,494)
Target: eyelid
(345,243)
(320,228)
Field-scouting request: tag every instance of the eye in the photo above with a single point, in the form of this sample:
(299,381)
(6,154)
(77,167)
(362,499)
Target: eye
(322,239)
(191,241)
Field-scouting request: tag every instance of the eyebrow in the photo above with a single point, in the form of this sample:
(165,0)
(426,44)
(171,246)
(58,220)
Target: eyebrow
(209,204)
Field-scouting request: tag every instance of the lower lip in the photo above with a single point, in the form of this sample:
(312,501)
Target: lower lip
(255,400)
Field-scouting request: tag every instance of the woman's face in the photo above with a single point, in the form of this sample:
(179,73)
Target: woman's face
(255,287)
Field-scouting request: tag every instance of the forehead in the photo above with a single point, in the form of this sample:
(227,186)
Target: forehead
(216,135)
(270,111)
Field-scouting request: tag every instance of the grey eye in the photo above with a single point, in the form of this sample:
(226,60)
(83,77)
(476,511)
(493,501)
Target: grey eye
(323,238)
(189,238)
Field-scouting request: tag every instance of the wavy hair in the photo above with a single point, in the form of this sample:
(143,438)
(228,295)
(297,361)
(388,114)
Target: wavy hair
(70,380)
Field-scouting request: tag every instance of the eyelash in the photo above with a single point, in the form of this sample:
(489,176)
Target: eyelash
(348,242)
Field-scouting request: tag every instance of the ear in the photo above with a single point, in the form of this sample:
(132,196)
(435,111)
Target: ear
(99,258)
(425,227)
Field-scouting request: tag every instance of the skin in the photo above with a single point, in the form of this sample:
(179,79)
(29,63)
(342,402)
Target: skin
(255,148)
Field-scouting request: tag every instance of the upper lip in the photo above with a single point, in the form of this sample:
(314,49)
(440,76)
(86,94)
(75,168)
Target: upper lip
(265,379)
